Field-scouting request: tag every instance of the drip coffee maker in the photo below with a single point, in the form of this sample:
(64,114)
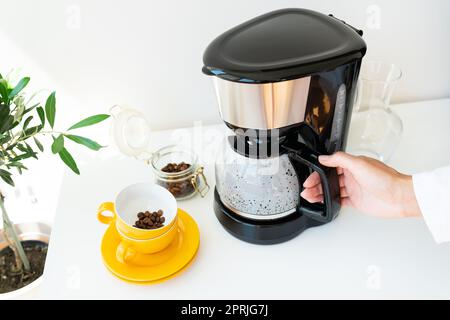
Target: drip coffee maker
(285,83)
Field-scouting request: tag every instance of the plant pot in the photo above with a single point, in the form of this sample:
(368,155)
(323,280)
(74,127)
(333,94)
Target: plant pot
(28,231)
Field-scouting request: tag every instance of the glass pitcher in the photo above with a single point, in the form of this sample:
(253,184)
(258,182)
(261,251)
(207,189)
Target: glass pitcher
(375,130)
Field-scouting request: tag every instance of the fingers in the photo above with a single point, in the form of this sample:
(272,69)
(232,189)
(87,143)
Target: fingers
(341,180)
(312,181)
(313,191)
(315,199)
(339,159)
(346,202)
(343,192)
(312,194)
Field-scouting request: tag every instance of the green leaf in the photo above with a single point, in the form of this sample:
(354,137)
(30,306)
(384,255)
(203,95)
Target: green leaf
(22,157)
(85,142)
(5,138)
(4,90)
(19,166)
(30,108)
(50,109)
(4,112)
(41,114)
(27,122)
(7,124)
(90,121)
(22,147)
(58,144)
(38,144)
(67,158)
(31,151)
(30,131)
(28,152)
(11,147)
(6,176)
(20,111)
(22,84)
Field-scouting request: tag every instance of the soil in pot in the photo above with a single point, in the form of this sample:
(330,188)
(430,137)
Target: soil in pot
(12,279)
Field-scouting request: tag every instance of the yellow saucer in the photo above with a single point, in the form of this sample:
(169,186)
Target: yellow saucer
(157,267)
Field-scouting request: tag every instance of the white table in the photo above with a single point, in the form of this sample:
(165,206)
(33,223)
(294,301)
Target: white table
(354,257)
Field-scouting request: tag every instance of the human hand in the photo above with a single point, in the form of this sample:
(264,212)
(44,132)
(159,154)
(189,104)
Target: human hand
(367,185)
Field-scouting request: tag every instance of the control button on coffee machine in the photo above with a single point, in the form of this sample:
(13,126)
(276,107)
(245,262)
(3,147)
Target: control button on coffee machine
(285,84)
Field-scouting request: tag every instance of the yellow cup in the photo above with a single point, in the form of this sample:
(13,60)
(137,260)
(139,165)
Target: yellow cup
(129,248)
(123,213)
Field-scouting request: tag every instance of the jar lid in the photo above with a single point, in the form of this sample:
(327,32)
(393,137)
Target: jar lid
(283,45)
(131,132)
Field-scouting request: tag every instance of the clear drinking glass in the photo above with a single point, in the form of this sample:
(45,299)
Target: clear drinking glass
(375,130)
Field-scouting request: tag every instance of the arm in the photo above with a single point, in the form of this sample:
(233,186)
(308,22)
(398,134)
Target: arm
(374,188)
(367,185)
(432,190)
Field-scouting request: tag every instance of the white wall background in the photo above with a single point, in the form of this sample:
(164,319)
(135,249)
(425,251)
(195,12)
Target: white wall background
(148,54)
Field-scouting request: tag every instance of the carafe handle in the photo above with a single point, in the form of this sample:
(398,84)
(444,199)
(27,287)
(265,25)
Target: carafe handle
(299,154)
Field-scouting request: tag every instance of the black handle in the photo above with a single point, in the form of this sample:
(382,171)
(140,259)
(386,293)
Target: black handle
(299,154)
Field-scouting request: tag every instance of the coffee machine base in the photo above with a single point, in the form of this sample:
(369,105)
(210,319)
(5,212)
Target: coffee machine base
(261,231)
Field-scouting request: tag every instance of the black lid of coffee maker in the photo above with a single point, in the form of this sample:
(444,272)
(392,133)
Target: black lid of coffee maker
(282,45)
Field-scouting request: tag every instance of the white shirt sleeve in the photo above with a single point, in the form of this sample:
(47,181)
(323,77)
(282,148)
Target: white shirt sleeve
(432,190)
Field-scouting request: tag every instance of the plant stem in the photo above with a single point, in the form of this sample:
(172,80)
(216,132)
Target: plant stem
(19,263)
(32,135)
(12,236)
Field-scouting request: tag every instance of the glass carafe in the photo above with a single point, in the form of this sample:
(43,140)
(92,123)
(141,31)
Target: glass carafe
(256,188)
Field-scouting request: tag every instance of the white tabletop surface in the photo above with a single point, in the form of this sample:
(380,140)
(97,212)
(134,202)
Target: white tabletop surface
(355,256)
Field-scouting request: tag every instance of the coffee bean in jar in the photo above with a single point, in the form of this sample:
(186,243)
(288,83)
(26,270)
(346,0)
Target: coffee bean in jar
(177,170)
(176,167)
(150,220)
(178,187)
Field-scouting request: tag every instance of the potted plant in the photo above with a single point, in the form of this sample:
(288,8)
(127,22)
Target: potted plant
(22,124)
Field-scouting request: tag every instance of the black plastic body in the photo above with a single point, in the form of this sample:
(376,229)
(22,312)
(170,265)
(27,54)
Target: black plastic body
(303,142)
(262,231)
(283,45)
(323,110)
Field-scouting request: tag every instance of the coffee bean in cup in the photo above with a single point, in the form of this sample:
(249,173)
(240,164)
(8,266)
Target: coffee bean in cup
(150,220)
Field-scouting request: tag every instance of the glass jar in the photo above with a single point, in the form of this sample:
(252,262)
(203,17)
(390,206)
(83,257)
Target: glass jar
(132,135)
(182,184)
